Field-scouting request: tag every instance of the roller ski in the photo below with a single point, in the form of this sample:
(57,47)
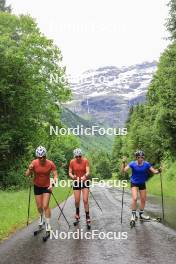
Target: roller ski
(76,222)
(133,219)
(144,218)
(151,219)
(40,226)
(157,219)
(38,231)
(48,231)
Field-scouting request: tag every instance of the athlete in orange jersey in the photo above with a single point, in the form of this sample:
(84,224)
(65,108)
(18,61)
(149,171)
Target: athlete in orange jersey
(41,168)
(79,172)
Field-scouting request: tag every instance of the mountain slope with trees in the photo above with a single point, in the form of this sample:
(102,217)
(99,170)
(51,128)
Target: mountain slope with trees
(152,125)
(29,101)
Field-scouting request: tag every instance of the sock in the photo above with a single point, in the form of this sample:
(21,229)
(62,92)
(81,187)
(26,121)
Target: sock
(141,212)
(77,211)
(47,220)
(87,215)
(134,213)
(41,217)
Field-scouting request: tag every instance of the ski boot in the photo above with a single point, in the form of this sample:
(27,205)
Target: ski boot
(77,218)
(143,217)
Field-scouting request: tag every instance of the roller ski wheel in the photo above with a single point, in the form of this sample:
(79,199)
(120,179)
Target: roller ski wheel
(88,222)
(47,235)
(132,223)
(158,219)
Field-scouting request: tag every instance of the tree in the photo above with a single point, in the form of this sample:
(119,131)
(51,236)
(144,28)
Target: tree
(29,100)
(117,154)
(100,164)
(171,21)
(152,125)
(3,7)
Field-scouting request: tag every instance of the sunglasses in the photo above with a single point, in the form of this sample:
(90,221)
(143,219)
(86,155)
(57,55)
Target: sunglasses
(78,157)
(44,157)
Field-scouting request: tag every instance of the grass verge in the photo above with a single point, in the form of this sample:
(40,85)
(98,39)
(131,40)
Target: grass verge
(154,186)
(14,204)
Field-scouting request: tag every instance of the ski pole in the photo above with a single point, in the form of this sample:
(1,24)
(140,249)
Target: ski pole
(60,209)
(162,196)
(65,202)
(121,218)
(96,201)
(123,190)
(29,204)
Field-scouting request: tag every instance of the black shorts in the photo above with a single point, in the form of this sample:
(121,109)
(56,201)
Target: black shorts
(40,190)
(140,186)
(78,185)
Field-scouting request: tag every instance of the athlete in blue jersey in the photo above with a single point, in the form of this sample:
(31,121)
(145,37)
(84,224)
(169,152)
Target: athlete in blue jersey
(140,173)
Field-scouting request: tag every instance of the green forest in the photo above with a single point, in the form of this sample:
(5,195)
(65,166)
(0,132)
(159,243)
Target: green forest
(29,101)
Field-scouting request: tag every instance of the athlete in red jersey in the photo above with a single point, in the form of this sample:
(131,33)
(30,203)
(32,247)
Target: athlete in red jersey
(79,172)
(41,168)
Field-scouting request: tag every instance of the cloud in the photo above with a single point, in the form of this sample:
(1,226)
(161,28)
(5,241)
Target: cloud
(98,33)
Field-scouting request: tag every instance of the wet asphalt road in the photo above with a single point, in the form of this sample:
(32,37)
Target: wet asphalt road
(148,242)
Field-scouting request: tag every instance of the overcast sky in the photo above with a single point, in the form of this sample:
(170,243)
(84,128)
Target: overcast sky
(96,33)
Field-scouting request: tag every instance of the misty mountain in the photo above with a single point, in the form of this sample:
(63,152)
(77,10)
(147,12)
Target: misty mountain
(105,94)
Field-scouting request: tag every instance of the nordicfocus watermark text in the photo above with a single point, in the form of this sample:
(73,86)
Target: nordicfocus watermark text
(80,130)
(91,235)
(90,183)
(83,79)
